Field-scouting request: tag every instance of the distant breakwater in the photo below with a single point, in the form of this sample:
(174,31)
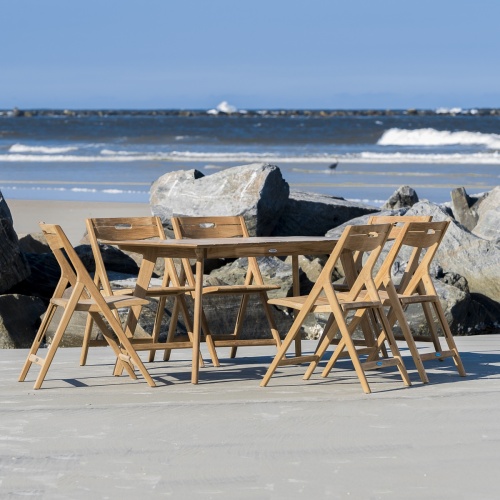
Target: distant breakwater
(315,113)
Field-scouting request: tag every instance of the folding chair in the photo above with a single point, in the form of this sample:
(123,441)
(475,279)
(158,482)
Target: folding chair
(85,296)
(416,287)
(346,310)
(228,227)
(138,228)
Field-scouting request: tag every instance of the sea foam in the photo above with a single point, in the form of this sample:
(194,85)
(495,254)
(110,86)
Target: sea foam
(432,137)
(21,148)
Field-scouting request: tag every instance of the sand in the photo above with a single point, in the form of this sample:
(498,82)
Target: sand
(70,215)
(87,434)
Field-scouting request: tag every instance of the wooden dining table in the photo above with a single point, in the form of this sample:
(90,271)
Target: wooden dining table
(213,248)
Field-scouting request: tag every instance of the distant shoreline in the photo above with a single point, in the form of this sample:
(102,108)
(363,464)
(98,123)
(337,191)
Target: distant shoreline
(313,113)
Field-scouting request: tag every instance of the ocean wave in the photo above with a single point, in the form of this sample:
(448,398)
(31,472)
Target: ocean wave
(21,148)
(432,137)
(492,158)
(72,189)
(474,158)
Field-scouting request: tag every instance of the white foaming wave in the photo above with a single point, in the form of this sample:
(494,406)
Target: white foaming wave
(474,158)
(21,148)
(432,137)
(492,158)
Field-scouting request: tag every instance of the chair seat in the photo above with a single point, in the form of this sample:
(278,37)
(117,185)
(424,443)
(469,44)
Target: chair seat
(238,289)
(113,302)
(156,291)
(321,304)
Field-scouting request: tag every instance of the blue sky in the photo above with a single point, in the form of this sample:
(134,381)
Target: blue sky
(255,54)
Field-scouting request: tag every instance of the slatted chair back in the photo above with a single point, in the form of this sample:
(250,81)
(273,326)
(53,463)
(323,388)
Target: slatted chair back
(85,296)
(228,227)
(125,228)
(137,228)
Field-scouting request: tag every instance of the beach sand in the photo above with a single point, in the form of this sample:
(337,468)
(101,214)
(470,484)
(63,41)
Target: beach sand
(70,215)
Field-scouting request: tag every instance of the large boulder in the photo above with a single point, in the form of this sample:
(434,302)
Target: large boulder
(258,192)
(312,214)
(19,320)
(488,213)
(13,266)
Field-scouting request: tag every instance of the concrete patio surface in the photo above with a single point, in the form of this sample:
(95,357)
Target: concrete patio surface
(89,435)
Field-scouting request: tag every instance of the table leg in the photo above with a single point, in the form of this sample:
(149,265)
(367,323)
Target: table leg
(296,293)
(198,298)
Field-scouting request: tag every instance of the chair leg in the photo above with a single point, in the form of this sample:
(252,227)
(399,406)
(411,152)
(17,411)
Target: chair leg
(157,325)
(127,345)
(86,340)
(325,341)
(51,351)
(290,337)
(449,338)
(389,336)
(49,314)
(171,329)
(180,305)
(239,323)
(396,313)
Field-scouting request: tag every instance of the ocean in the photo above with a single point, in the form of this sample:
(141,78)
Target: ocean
(363,155)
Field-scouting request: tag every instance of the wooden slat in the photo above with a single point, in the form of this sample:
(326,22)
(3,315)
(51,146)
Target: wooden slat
(297,360)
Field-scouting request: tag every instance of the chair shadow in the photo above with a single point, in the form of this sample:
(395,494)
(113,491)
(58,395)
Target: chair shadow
(478,365)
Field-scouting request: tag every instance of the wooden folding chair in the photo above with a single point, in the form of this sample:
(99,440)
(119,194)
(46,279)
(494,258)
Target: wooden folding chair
(383,278)
(416,287)
(228,227)
(139,228)
(346,309)
(85,296)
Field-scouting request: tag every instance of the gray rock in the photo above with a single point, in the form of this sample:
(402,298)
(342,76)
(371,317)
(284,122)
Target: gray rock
(258,192)
(5,210)
(488,212)
(462,252)
(33,243)
(13,266)
(312,214)
(463,208)
(19,320)
(404,196)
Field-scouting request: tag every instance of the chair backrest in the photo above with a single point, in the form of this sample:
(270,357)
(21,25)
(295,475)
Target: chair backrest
(124,228)
(397,221)
(424,238)
(72,269)
(215,227)
(366,239)
(210,227)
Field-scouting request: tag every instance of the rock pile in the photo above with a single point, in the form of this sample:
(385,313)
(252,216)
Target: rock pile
(466,270)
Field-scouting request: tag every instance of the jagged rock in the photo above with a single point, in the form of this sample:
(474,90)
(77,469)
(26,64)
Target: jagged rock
(462,252)
(312,214)
(463,208)
(258,192)
(404,196)
(19,320)
(33,243)
(5,212)
(488,212)
(13,266)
